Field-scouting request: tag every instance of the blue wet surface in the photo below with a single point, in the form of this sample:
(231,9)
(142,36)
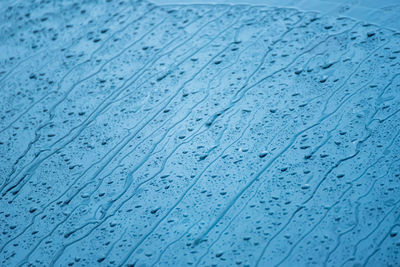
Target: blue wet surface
(133,134)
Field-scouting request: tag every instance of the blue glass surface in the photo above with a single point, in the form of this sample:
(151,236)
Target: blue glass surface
(138,134)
